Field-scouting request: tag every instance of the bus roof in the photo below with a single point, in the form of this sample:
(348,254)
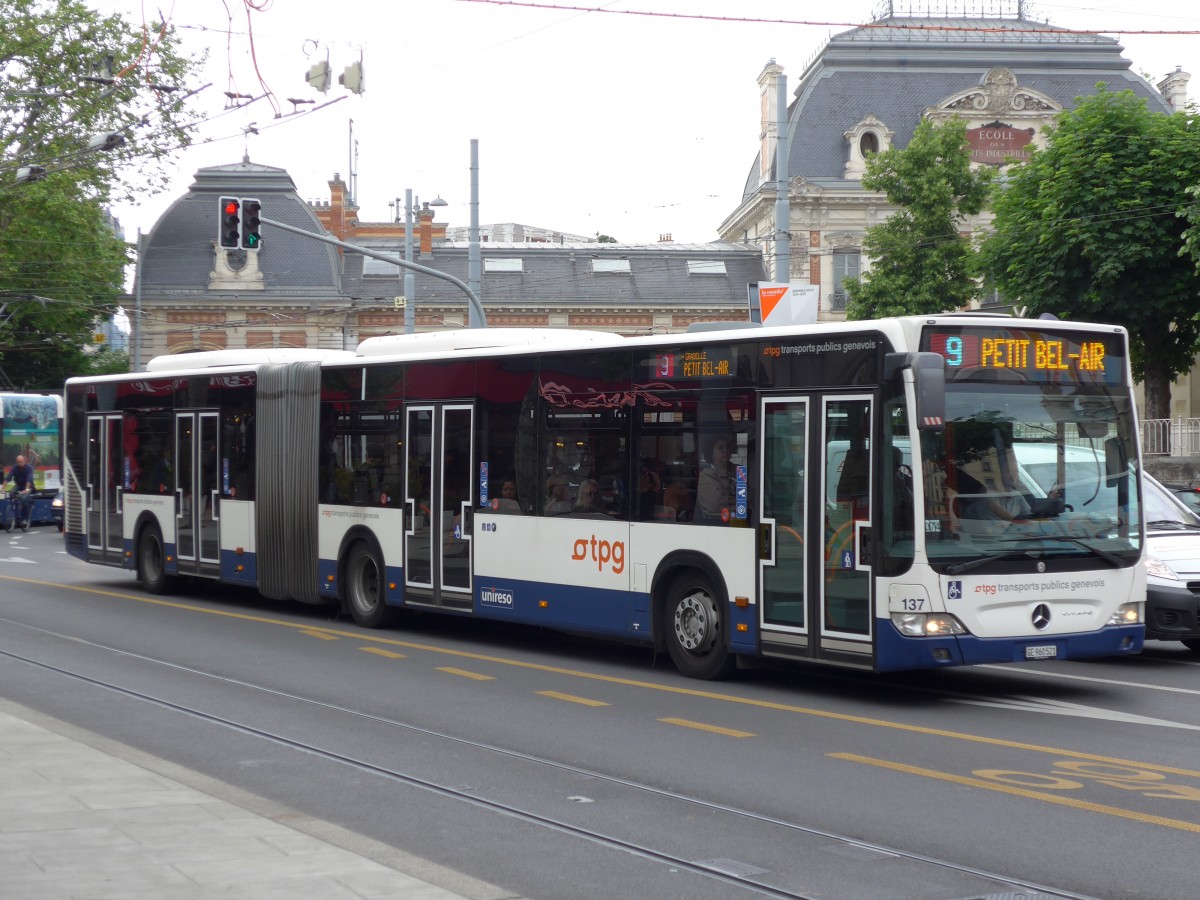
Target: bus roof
(208,359)
(484,339)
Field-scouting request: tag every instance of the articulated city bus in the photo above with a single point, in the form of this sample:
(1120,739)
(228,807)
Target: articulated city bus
(849,494)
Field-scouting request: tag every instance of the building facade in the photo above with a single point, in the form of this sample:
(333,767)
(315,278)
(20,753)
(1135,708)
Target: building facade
(297,291)
(866,90)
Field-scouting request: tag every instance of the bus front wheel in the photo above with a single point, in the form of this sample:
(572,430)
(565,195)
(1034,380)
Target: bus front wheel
(151,562)
(694,628)
(364,587)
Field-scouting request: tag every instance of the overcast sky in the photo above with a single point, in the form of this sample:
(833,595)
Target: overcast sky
(603,121)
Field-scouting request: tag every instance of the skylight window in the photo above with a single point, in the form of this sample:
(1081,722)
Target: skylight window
(503,264)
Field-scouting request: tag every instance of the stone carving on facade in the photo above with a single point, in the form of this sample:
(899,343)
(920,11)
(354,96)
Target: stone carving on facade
(999,93)
(235,271)
(843,240)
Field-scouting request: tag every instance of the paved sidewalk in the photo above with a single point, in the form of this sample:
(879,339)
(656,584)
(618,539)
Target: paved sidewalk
(85,817)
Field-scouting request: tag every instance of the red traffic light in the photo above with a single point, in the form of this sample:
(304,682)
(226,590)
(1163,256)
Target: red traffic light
(229,230)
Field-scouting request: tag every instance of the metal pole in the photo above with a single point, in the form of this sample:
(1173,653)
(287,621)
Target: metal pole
(137,306)
(472,297)
(410,291)
(783,224)
(474,263)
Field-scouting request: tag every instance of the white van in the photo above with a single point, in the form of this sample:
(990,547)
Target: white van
(1172,567)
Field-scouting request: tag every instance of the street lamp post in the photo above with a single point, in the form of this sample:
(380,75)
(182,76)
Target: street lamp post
(410,315)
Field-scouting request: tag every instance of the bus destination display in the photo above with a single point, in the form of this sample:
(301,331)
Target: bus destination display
(698,364)
(1040,356)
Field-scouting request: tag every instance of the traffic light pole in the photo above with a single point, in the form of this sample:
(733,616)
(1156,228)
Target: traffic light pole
(478,320)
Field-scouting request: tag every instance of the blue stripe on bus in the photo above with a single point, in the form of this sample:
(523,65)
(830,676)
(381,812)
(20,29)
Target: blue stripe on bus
(599,611)
(896,652)
(231,559)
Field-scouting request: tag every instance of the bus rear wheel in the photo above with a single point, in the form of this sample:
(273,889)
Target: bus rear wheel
(151,562)
(364,587)
(694,628)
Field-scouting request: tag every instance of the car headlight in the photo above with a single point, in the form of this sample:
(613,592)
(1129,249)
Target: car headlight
(927,624)
(1129,613)
(56,503)
(1159,569)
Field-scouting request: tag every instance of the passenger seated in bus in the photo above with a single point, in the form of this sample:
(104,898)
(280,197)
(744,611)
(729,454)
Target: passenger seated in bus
(714,494)
(677,498)
(588,502)
(507,502)
(557,502)
(649,489)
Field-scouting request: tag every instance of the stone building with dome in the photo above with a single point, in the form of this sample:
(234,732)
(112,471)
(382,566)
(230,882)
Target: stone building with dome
(299,292)
(1008,77)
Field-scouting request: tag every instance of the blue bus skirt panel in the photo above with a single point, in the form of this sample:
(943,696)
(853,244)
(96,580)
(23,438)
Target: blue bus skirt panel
(896,652)
(239,568)
(623,614)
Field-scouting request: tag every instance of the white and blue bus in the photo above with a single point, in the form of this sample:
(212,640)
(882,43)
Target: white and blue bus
(848,494)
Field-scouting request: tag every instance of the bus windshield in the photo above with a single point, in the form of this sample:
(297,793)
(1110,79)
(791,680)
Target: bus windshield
(1027,469)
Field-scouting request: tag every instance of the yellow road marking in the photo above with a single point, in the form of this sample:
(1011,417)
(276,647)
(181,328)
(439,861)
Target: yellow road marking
(450,670)
(571,698)
(320,635)
(627,682)
(1177,824)
(714,729)
(379,651)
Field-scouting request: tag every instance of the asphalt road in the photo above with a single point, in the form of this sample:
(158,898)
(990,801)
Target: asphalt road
(560,767)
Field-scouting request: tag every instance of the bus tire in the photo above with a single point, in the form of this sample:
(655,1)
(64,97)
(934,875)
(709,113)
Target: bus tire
(151,562)
(365,587)
(694,628)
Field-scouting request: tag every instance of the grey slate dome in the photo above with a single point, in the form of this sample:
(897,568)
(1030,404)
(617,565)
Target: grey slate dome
(180,249)
(897,67)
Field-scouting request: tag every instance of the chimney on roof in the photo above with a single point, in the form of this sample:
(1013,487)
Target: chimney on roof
(665,238)
(425,228)
(1174,89)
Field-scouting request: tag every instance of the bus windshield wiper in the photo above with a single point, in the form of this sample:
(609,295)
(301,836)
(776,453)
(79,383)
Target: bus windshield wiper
(1109,557)
(1172,523)
(959,568)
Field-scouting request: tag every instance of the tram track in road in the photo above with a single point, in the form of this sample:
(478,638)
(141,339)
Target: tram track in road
(723,871)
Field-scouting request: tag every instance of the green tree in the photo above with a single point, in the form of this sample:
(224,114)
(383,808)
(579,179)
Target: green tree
(920,262)
(83,97)
(1091,228)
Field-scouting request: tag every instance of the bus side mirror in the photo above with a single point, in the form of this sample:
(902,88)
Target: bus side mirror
(929,384)
(1116,461)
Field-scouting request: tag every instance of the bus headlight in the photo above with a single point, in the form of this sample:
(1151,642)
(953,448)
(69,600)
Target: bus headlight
(1159,569)
(1129,614)
(927,624)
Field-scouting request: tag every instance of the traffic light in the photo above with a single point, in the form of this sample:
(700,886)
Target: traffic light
(229,227)
(251,210)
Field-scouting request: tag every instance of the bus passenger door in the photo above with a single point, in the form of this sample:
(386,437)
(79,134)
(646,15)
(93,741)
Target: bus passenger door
(814,520)
(439,450)
(845,584)
(105,467)
(197,494)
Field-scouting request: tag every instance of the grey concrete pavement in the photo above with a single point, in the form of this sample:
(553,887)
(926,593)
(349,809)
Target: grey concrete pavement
(82,816)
